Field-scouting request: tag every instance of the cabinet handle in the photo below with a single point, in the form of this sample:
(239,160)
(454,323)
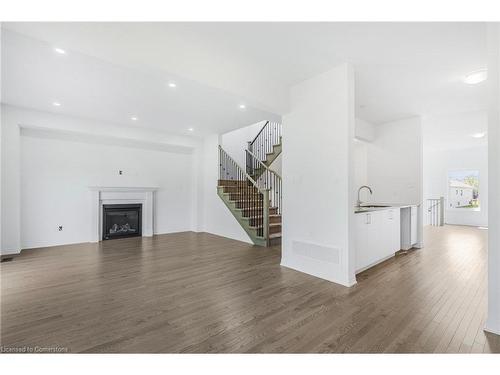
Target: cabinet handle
(368,218)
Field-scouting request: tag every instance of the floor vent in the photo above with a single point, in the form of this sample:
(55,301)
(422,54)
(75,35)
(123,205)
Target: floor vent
(317,252)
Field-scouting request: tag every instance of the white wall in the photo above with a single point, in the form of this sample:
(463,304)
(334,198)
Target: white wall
(436,167)
(493,322)
(364,133)
(236,142)
(11,184)
(1,177)
(83,161)
(395,165)
(56,174)
(317,177)
(395,162)
(361,169)
(391,163)
(364,130)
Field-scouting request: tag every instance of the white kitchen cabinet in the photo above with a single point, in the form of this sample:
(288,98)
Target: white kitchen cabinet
(413,225)
(377,237)
(409,227)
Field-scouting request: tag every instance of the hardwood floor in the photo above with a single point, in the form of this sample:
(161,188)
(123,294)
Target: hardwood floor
(190,292)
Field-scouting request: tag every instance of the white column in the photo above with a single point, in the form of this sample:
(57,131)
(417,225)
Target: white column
(11,183)
(148,211)
(95,213)
(493,322)
(318,202)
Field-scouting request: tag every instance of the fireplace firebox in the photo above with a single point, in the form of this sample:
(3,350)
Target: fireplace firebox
(121,220)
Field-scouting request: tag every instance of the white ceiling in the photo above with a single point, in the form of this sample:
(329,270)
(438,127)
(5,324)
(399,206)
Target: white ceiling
(455,131)
(35,76)
(114,69)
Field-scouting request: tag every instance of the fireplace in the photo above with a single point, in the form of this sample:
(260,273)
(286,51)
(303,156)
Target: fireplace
(121,220)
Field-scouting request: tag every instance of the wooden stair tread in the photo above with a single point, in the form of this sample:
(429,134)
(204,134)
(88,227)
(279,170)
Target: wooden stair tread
(274,235)
(255,207)
(270,225)
(245,194)
(259,216)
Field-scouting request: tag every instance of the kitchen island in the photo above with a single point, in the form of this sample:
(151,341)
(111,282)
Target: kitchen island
(381,231)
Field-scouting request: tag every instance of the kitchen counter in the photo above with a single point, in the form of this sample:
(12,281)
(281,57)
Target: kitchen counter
(386,206)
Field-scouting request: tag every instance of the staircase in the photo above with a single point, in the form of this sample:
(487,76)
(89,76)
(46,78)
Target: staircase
(254,194)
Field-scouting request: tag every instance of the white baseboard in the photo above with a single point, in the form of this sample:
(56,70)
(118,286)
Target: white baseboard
(491,330)
(346,283)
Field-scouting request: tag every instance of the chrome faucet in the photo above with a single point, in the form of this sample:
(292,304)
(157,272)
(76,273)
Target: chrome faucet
(359,190)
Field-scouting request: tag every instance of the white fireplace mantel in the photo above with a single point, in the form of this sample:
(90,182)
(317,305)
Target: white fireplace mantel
(101,195)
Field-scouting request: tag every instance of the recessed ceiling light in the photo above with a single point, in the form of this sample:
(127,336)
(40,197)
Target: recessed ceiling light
(191,129)
(56,104)
(60,51)
(475,77)
(172,85)
(478,135)
(133,118)
(242,106)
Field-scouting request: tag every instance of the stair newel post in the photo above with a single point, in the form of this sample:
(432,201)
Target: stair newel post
(248,160)
(241,191)
(248,197)
(441,211)
(267,139)
(265,215)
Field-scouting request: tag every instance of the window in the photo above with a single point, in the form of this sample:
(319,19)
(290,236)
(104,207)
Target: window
(463,190)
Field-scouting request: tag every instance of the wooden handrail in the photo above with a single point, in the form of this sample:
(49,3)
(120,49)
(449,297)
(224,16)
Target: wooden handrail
(257,136)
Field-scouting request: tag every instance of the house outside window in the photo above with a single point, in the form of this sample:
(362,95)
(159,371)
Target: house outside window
(463,190)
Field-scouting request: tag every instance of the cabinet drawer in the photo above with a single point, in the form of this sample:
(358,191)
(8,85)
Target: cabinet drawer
(377,236)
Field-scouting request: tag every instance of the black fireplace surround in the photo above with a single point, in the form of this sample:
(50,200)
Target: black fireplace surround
(121,220)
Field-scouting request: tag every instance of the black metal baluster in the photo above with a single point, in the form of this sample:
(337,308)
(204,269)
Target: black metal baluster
(252,191)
